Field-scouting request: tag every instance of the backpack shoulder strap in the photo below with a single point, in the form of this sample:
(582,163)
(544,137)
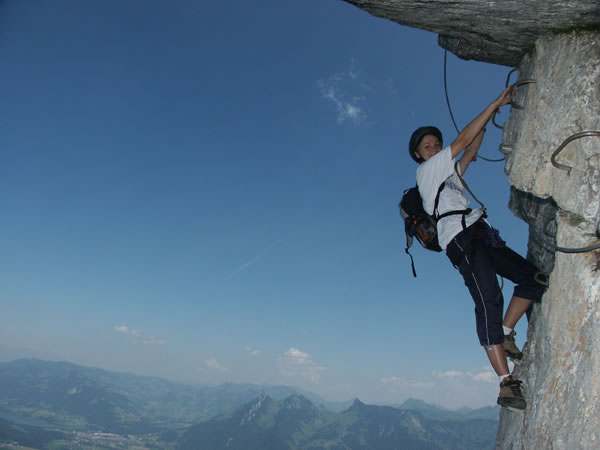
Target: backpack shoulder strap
(437,200)
(412,262)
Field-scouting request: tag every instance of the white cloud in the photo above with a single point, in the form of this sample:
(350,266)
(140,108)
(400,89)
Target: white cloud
(449,374)
(213,364)
(473,387)
(487,377)
(296,363)
(484,375)
(125,330)
(153,340)
(148,340)
(448,377)
(407,383)
(340,89)
(252,351)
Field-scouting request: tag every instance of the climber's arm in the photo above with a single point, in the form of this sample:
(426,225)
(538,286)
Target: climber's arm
(470,133)
(471,151)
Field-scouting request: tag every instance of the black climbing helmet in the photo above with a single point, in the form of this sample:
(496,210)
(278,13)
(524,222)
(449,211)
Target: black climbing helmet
(416,137)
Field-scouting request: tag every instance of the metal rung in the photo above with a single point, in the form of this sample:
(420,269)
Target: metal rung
(564,144)
(519,84)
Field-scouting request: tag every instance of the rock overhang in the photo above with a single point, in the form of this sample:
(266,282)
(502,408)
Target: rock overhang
(498,32)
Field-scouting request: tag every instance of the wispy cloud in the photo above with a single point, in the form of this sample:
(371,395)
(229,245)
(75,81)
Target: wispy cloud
(153,340)
(474,387)
(484,375)
(148,340)
(296,363)
(213,364)
(252,351)
(254,260)
(125,330)
(407,383)
(449,374)
(341,90)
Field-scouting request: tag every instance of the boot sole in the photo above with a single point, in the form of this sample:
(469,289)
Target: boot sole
(513,410)
(514,406)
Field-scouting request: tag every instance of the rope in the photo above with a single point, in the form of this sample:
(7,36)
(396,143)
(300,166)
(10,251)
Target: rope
(464,183)
(446,92)
(450,108)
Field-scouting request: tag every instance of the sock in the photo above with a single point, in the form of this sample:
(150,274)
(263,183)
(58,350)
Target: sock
(507,330)
(502,377)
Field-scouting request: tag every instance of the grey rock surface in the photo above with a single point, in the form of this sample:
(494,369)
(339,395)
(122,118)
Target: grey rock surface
(563,101)
(499,32)
(561,368)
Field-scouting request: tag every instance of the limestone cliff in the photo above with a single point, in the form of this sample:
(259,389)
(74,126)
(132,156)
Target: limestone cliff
(500,32)
(562,364)
(559,196)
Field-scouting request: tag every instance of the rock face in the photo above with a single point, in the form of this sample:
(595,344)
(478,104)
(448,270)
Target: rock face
(561,366)
(500,32)
(558,195)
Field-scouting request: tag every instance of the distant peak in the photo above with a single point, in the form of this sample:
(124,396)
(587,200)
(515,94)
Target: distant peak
(294,401)
(357,403)
(255,408)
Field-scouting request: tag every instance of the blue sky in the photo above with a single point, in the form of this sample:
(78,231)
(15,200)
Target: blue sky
(208,192)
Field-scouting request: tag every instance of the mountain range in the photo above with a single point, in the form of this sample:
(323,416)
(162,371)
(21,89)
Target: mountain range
(54,404)
(296,423)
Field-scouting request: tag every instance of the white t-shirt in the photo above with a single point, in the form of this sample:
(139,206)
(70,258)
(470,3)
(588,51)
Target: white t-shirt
(430,175)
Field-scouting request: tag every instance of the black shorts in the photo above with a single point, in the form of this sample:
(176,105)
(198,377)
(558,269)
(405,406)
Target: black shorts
(478,260)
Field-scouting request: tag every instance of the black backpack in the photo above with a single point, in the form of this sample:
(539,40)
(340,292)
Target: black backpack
(419,224)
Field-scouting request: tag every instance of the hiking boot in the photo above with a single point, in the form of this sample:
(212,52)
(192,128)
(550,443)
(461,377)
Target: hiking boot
(511,349)
(510,396)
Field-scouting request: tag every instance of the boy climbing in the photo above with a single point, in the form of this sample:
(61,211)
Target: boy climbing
(474,247)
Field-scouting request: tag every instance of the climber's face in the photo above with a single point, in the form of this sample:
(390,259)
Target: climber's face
(429,146)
